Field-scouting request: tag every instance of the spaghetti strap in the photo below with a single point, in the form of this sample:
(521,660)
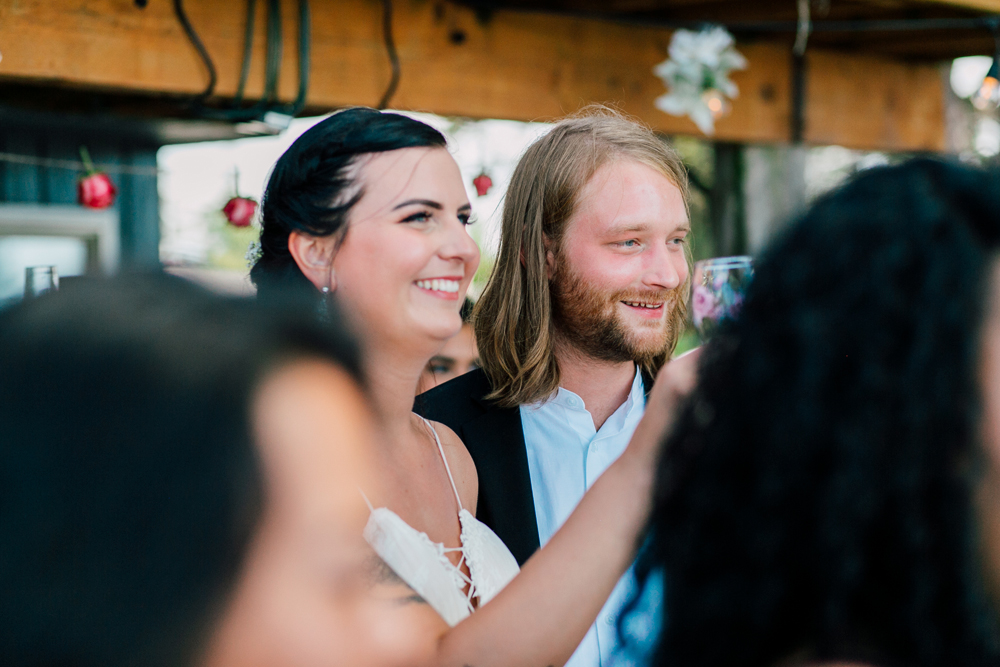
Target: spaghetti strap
(445,459)
(367,502)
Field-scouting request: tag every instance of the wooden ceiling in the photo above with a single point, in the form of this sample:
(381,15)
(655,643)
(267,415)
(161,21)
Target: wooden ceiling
(843,25)
(517,59)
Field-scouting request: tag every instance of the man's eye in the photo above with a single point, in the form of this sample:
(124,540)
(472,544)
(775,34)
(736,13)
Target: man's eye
(631,243)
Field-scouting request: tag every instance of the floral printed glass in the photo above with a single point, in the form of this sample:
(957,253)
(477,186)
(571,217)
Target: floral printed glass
(719,287)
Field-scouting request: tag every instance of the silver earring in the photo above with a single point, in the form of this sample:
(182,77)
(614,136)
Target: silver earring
(323,305)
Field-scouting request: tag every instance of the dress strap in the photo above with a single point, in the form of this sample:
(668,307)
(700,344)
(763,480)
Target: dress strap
(367,502)
(445,459)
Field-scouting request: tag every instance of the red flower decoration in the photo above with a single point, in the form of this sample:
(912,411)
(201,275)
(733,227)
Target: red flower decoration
(95,189)
(239,211)
(482,183)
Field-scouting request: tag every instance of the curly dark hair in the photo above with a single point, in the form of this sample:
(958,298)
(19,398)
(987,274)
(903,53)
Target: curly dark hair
(815,500)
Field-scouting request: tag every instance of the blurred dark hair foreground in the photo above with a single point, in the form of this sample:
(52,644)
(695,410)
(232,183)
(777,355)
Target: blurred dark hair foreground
(815,501)
(129,482)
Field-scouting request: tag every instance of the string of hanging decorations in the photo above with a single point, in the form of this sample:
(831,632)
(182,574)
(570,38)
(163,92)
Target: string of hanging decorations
(76,165)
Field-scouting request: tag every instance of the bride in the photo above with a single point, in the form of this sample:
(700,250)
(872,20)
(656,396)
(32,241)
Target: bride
(371,207)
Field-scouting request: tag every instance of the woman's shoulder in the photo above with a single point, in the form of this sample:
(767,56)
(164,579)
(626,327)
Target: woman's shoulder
(463,468)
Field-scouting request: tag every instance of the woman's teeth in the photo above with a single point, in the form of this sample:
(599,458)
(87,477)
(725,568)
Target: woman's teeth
(439,285)
(638,304)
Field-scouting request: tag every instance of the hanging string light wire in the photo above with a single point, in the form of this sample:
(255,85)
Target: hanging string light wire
(200,48)
(390,48)
(76,165)
(247,52)
(268,101)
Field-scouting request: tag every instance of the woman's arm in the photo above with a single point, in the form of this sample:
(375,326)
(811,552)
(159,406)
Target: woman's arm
(544,613)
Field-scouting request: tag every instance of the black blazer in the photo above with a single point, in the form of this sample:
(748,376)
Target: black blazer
(495,439)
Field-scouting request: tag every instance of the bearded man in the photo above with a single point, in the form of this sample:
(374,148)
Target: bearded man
(585,304)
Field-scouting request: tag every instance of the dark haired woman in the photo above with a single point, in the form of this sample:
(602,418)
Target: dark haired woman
(371,206)
(178,478)
(831,493)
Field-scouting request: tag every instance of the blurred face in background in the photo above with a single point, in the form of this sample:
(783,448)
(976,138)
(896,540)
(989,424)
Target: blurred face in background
(458,356)
(304,598)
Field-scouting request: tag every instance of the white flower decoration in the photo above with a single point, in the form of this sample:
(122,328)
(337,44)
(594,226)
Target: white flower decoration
(697,76)
(254,251)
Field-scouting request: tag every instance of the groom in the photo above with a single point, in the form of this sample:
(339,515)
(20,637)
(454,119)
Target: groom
(584,306)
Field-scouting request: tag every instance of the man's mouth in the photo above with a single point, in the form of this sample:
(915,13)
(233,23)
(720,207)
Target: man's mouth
(646,305)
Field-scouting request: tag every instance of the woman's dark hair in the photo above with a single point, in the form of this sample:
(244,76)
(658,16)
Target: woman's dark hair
(313,188)
(129,482)
(815,499)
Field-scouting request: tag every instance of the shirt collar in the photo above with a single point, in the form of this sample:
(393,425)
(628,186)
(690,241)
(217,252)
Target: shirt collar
(571,401)
(637,396)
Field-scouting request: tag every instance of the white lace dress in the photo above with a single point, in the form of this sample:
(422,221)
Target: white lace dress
(425,567)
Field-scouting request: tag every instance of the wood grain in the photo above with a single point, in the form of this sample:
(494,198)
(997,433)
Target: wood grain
(524,66)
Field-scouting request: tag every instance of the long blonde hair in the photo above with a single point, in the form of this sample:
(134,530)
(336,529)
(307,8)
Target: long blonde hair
(513,318)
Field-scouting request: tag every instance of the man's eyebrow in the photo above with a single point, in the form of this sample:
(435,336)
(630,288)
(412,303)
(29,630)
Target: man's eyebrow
(421,202)
(631,228)
(628,228)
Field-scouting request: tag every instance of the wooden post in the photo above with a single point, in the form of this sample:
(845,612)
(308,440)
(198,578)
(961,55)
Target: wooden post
(725,203)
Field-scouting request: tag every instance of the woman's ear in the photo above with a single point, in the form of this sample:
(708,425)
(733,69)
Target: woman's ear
(314,257)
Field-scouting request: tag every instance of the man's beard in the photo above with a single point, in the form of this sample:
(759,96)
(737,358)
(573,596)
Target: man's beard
(588,319)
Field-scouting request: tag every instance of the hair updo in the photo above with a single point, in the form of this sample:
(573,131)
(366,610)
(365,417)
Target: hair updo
(312,187)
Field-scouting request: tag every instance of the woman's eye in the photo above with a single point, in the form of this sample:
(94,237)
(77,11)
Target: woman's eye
(678,241)
(440,365)
(466,219)
(422,216)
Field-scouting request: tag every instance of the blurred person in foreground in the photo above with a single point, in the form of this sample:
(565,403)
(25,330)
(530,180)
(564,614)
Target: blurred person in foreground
(831,492)
(458,356)
(369,208)
(178,485)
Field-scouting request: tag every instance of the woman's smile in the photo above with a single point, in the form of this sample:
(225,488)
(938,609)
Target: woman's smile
(442,288)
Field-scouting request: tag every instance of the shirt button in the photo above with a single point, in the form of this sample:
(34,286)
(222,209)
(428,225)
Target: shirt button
(609,620)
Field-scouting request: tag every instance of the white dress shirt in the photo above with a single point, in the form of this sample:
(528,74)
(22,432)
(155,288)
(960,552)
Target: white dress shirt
(565,455)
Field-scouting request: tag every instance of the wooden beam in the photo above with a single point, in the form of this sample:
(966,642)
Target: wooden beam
(990,6)
(894,104)
(524,66)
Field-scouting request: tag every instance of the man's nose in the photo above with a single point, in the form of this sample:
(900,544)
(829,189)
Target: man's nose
(665,269)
